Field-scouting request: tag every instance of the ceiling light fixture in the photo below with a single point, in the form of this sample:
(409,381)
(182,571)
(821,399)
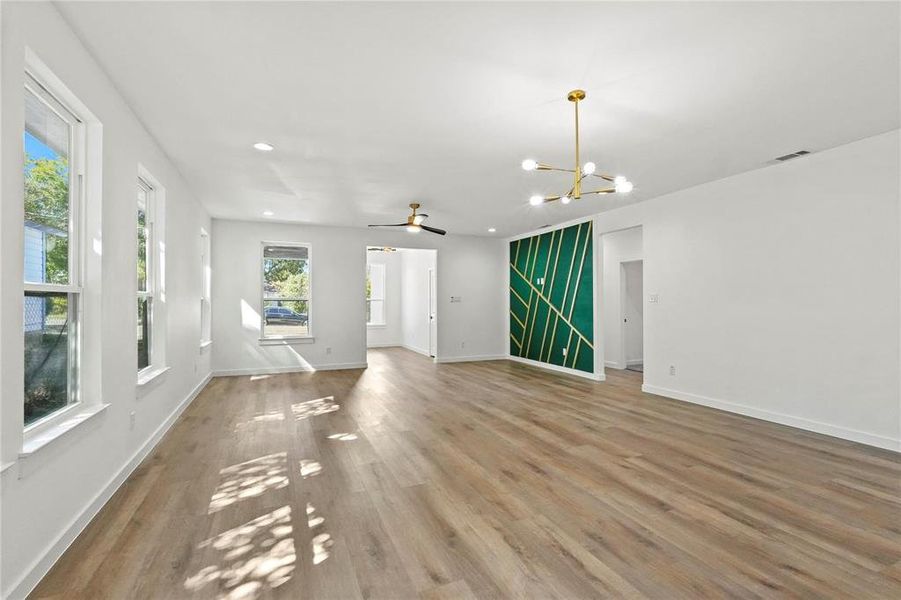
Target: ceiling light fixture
(491,230)
(620,184)
(264,146)
(268,213)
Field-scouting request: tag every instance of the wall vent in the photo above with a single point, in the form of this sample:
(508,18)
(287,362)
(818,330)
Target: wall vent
(786,157)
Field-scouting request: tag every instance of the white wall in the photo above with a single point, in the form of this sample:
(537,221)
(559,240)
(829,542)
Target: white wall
(779,291)
(633,311)
(49,496)
(415,265)
(616,247)
(470,267)
(389,334)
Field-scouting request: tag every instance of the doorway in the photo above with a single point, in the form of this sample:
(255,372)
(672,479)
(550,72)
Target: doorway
(632,306)
(402,299)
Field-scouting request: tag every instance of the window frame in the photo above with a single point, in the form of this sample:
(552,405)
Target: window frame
(281,339)
(149,293)
(74,288)
(383,300)
(155,214)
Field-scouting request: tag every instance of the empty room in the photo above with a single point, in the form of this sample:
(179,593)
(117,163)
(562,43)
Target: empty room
(450,300)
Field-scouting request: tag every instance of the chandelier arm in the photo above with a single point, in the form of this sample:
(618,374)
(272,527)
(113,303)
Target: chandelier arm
(604,191)
(550,168)
(604,177)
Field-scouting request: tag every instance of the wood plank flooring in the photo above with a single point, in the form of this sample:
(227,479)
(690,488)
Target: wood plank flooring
(486,480)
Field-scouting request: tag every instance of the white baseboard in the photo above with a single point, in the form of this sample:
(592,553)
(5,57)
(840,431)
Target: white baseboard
(291,369)
(557,368)
(474,358)
(385,345)
(612,364)
(55,550)
(416,350)
(634,361)
(844,433)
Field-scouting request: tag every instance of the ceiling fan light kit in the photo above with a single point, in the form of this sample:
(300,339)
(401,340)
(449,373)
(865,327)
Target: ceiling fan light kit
(621,185)
(414,222)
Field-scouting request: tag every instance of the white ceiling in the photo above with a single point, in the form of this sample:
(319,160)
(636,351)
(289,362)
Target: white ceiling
(372,106)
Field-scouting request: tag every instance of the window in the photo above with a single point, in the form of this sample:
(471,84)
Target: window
(205,290)
(150,223)
(52,282)
(375,294)
(145,274)
(286,291)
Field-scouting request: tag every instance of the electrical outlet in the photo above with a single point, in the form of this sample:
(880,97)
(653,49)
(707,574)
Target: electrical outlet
(328,350)
(652,299)
(131,420)
(462,344)
(672,370)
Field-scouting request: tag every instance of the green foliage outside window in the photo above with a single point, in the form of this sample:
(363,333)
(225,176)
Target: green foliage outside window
(47,203)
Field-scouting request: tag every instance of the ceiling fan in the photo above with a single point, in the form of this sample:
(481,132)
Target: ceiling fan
(414,222)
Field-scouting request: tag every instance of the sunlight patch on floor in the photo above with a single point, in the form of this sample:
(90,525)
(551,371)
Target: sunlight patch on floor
(313,408)
(250,479)
(310,468)
(252,558)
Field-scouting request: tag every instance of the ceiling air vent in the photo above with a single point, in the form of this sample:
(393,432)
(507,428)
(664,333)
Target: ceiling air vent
(786,157)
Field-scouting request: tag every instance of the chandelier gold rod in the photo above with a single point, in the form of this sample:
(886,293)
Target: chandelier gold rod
(577,186)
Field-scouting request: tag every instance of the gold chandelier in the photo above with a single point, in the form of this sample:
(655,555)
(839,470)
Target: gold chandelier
(620,184)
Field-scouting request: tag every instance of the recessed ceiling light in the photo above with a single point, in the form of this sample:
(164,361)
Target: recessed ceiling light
(268,213)
(491,230)
(264,147)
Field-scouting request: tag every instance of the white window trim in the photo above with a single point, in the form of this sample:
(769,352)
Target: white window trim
(86,163)
(155,213)
(383,299)
(149,291)
(276,340)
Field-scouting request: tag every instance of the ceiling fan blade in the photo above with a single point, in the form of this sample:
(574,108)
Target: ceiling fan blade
(391,225)
(433,229)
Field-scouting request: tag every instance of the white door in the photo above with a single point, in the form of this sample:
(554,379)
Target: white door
(433,315)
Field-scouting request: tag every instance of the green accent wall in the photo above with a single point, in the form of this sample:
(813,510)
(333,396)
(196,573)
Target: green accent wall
(552,298)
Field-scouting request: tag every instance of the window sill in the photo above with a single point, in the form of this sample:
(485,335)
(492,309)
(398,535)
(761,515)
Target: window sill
(39,440)
(377,326)
(287,341)
(147,376)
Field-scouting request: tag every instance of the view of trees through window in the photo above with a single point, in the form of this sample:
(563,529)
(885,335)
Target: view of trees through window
(47,313)
(286,291)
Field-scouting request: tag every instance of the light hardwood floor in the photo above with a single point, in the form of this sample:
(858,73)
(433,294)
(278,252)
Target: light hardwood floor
(487,480)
